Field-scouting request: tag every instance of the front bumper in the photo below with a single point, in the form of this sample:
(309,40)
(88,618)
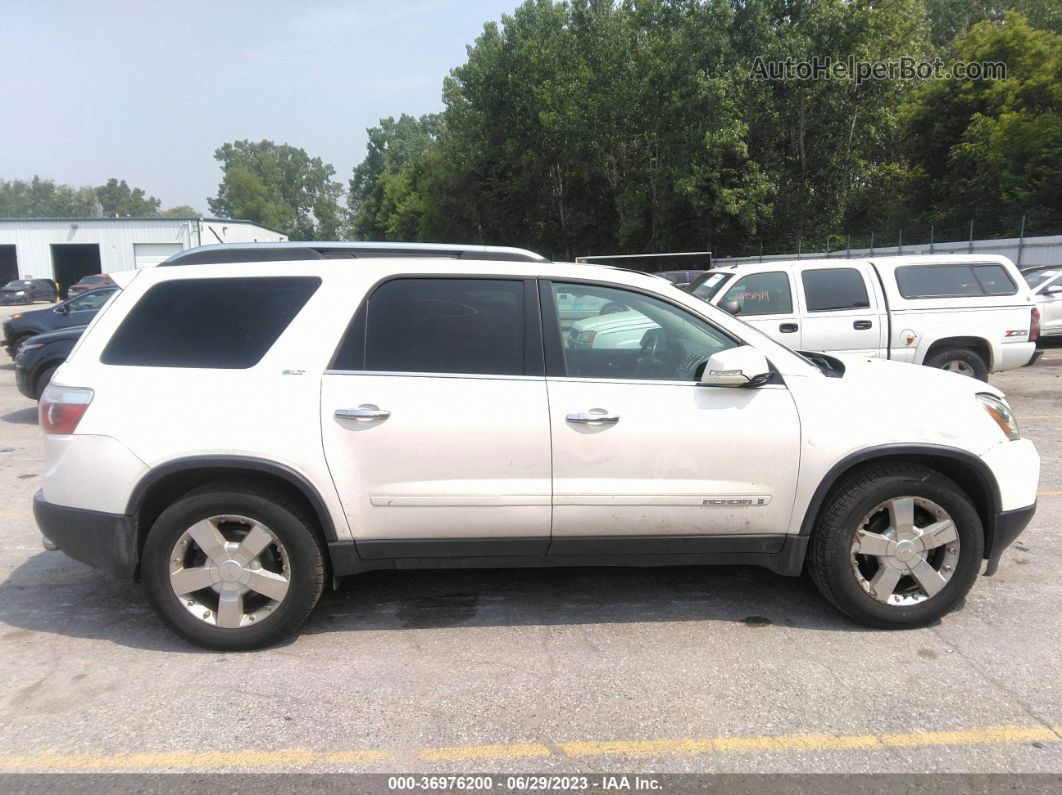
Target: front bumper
(23,382)
(106,541)
(1006,526)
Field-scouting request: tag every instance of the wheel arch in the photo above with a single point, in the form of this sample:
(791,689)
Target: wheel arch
(968,471)
(979,345)
(168,482)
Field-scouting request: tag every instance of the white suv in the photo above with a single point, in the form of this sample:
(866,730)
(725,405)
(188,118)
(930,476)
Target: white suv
(972,314)
(237,433)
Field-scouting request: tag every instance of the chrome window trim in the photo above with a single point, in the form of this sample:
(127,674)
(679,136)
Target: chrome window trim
(405,374)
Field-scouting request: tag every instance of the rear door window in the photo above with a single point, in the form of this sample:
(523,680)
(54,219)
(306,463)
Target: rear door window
(954,281)
(831,289)
(459,326)
(762,294)
(226,324)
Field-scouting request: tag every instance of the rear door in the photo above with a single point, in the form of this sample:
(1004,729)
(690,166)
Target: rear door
(842,310)
(434,420)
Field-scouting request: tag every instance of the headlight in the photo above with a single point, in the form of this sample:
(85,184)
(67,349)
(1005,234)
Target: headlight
(20,292)
(999,411)
(30,346)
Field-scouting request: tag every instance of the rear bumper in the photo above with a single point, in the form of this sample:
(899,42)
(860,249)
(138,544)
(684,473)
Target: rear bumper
(1035,357)
(106,541)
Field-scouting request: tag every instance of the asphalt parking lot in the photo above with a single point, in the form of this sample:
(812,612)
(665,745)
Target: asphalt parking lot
(725,669)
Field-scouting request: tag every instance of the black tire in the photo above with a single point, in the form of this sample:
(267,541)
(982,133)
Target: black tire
(962,357)
(829,559)
(306,565)
(43,380)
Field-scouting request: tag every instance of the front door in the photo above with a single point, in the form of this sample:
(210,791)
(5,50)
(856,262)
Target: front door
(647,459)
(434,420)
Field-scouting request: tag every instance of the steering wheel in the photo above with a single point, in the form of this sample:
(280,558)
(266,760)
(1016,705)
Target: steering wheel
(611,308)
(650,345)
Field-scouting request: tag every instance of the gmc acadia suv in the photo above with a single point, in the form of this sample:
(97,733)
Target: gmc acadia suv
(243,424)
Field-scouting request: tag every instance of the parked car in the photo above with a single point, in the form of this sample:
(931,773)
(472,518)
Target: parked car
(28,291)
(680,278)
(238,433)
(39,357)
(970,314)
(76,311)
(87,283)
(1046,286)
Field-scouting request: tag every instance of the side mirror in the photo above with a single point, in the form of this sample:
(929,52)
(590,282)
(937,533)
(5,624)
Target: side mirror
(733,307)
(63,309)
(1054,289)
(736,367)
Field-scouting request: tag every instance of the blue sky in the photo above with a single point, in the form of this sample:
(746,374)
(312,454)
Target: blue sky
(146,91)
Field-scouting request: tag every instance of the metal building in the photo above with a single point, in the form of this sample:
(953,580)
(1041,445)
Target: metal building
(65,249)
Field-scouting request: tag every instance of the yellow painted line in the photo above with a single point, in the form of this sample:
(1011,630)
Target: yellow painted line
(1041,417)
(21,514)
(305,758)
(1049,494)
(460,753)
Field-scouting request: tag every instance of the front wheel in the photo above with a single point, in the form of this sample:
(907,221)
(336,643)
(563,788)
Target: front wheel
(897,545)
(233,569)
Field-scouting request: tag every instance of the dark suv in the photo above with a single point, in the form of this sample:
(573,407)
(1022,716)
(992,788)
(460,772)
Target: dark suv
(77,311)
(26,291)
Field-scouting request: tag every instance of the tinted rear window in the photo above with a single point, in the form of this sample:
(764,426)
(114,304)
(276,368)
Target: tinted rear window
(954,281)
(468,326)
(831,289)
(212,323)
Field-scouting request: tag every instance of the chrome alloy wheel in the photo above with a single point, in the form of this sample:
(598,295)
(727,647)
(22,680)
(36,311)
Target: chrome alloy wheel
(229,571)
(960,367)
(905,551)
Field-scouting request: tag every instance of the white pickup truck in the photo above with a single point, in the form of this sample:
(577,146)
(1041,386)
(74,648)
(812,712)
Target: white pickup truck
(972,314)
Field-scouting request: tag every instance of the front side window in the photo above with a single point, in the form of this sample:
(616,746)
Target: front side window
(832,289)
(639,337)
(954,281)
(224,324)
(460,326)
(762,294)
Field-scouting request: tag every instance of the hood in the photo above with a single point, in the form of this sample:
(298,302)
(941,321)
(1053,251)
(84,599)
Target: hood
(901,375)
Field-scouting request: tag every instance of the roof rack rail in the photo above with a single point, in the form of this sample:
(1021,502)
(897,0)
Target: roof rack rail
(285,252)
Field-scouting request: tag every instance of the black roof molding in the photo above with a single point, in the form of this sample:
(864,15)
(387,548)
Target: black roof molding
(314,250)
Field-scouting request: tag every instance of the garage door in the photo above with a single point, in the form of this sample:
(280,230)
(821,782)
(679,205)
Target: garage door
(148,255)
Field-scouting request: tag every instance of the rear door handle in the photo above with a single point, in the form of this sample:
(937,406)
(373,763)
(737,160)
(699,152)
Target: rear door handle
(862,324)
(592,418)
(788,328)
(363,413)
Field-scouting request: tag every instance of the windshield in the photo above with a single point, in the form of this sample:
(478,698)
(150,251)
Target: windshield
(18,285)
(710,283)
(1037,278)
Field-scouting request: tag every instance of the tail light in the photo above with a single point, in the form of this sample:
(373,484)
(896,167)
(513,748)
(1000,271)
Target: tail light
(1034,325)
(62,407)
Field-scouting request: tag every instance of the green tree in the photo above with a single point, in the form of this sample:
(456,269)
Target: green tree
(43,198)
(383,197)
(280,186)
(118,200)
(182,211)
(985,149)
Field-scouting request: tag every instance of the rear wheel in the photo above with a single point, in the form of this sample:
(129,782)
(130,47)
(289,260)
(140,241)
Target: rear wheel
(233,569)
(959,360)
(897,545)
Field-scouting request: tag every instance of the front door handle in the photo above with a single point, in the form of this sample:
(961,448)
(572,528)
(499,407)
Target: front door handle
(788,328)
(363,413)
(862,324)
(593,417)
